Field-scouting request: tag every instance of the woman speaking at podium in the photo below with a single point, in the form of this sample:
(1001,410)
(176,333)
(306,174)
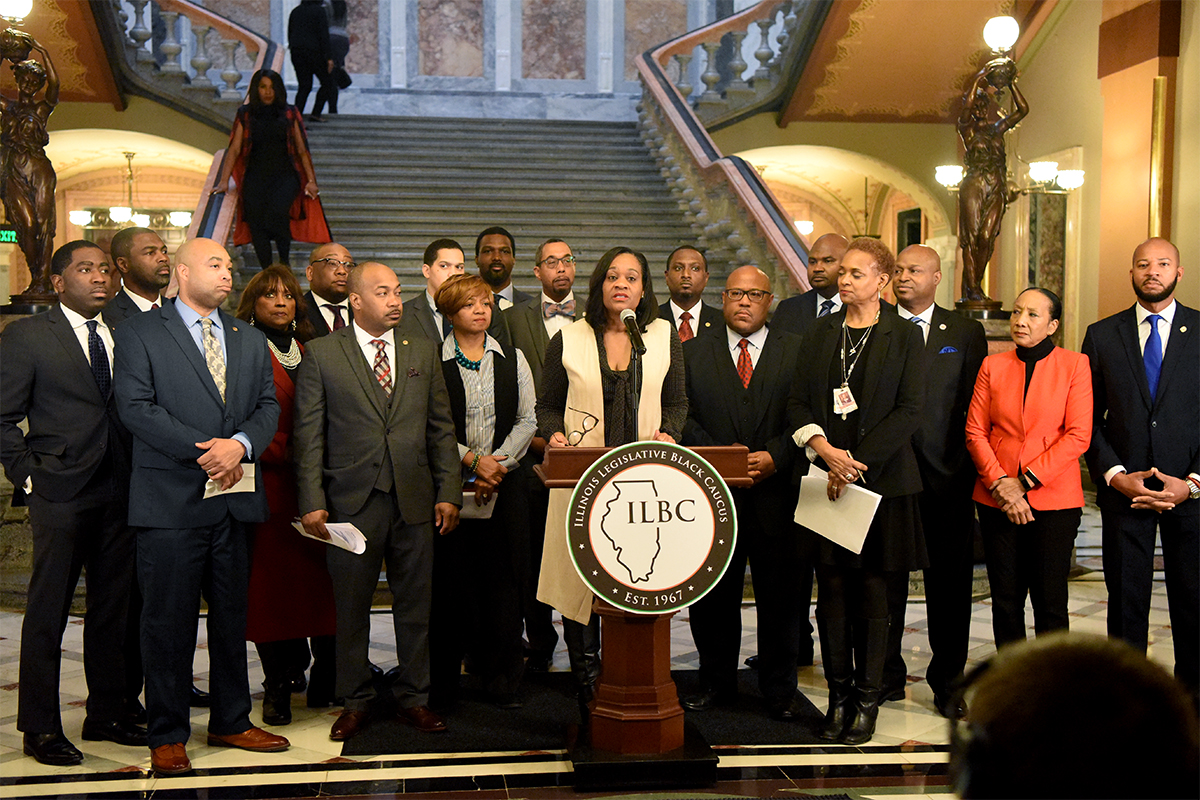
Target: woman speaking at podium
(591,388)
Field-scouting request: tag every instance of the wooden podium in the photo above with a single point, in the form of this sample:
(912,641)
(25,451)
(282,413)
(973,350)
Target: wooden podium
(636,735)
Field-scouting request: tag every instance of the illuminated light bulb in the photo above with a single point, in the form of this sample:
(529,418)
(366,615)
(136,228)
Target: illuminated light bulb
(1001,33)
(948,175)
(1069,178)
(1043,171)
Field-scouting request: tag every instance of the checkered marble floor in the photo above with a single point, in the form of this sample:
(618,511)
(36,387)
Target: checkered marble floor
(910,738)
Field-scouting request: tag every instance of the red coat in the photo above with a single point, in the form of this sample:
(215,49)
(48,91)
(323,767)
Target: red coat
(307,215)
(291,595)
(1045,430)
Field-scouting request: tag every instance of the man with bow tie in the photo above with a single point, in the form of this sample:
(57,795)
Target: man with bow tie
(531,326)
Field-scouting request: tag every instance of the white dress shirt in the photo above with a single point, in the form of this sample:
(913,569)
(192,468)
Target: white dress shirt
(925,316)
(558,321)
(79,327)
(327,313)
(756,339)
(142,303)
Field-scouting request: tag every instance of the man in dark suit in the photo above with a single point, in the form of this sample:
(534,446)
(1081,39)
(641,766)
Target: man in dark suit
(141,258)
(1145,455)
(530,326)
(686,276)
(144,265)
(734,397)
(796,313)
(955,348)
(495,255)
(443,258)
(328,267)
(195,388)
(74,466)
(375,446)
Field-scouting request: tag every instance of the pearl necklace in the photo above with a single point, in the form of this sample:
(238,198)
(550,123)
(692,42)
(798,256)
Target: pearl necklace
(290,359)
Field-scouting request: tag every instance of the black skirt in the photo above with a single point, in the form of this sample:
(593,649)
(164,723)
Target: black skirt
(895,541)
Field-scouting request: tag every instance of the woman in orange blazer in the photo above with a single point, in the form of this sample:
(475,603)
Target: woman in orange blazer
(1030,420)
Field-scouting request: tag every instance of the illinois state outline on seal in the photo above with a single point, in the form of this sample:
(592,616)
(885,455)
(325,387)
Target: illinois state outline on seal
(652,527)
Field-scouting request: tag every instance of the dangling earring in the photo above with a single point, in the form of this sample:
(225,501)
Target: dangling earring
(251,319)
(293,326)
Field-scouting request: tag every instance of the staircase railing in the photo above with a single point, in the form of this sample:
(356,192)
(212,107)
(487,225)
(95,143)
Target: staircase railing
(178,68)
(732,211)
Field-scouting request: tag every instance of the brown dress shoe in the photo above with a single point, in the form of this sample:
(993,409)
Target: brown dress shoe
(170,759)
(347,724)
(421,718)
(255,739)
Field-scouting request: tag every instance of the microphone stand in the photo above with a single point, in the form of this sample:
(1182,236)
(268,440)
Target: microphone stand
(635,378)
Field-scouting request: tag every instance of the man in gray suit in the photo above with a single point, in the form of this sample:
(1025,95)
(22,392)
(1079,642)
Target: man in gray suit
(376,447)
(443,258)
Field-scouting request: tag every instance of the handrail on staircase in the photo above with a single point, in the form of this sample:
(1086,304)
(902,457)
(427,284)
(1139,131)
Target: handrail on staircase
(732,210)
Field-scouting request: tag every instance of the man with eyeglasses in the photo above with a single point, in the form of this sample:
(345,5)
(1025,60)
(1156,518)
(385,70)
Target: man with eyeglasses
(531,326)
(796,313)
(328,269)
(443,258)
(687,275)
(734,397)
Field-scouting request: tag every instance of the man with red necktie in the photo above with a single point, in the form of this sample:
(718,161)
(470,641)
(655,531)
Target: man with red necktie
(687,275)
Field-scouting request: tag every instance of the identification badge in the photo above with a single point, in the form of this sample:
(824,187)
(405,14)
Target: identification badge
(843,401)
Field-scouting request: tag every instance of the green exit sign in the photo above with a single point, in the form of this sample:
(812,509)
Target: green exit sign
(8,234)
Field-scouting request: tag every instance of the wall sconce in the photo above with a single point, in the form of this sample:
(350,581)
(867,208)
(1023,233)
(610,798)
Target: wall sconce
(804,226)
(15,11)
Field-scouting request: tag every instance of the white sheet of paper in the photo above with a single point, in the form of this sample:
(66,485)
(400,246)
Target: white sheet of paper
(341,534)
(246,484)
(844,521)
(472,511)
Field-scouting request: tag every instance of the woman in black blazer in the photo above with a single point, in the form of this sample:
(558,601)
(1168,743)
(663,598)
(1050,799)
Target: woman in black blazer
(862,434)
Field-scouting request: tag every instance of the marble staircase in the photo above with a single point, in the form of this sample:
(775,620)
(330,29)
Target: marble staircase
(391,185)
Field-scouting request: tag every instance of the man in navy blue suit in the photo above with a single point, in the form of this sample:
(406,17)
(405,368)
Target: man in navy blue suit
(195,388)
(1145,453)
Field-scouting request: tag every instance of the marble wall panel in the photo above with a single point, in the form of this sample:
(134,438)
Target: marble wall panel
(649,23)
(451,37)
(554,39)
(252,14)
(364,37)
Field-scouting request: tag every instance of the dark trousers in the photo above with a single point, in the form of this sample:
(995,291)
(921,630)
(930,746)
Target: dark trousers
(949,525)
(1129,571)
(309,65)
(89,530)
(175,566)
(539,624)
(716,619)
(1031,560)
(480,570)
(406,553)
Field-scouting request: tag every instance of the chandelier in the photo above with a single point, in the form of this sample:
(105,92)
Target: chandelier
(127,215)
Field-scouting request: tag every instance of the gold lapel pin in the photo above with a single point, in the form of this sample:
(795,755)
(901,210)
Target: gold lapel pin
(1183,329)
(404,341)
(942,327)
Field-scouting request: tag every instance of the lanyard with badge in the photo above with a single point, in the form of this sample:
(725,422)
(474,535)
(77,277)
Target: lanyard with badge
(843,398)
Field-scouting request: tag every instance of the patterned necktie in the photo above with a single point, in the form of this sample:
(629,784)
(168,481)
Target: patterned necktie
(98,355)
(338,322)
(383,370)
(214,359)
(920,323)
(566,309)
(745,366)
(826,307)
(685,326)
(1152,357)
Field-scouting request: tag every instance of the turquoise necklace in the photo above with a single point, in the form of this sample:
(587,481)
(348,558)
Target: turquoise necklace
(464,361)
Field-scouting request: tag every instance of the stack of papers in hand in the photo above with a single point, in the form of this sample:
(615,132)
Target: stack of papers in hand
(341,534)
(844,521)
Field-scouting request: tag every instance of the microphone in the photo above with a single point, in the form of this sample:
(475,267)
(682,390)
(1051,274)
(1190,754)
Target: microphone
(635,336)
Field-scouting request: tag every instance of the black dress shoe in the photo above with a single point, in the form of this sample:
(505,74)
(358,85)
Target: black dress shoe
(376,672)
(199,698)
(893,690)
(709,698)
(538,662)
(949,706)
(787,711)
(52,749)
(751,662)
(118,731)
(134,711)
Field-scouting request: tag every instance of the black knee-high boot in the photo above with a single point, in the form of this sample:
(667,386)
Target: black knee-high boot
(870,652)
(836,658)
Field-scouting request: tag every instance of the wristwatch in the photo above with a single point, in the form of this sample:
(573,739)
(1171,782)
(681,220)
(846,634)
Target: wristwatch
(1193,488)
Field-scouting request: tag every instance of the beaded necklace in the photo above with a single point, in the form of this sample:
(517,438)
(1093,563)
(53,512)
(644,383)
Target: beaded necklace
(464,361)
